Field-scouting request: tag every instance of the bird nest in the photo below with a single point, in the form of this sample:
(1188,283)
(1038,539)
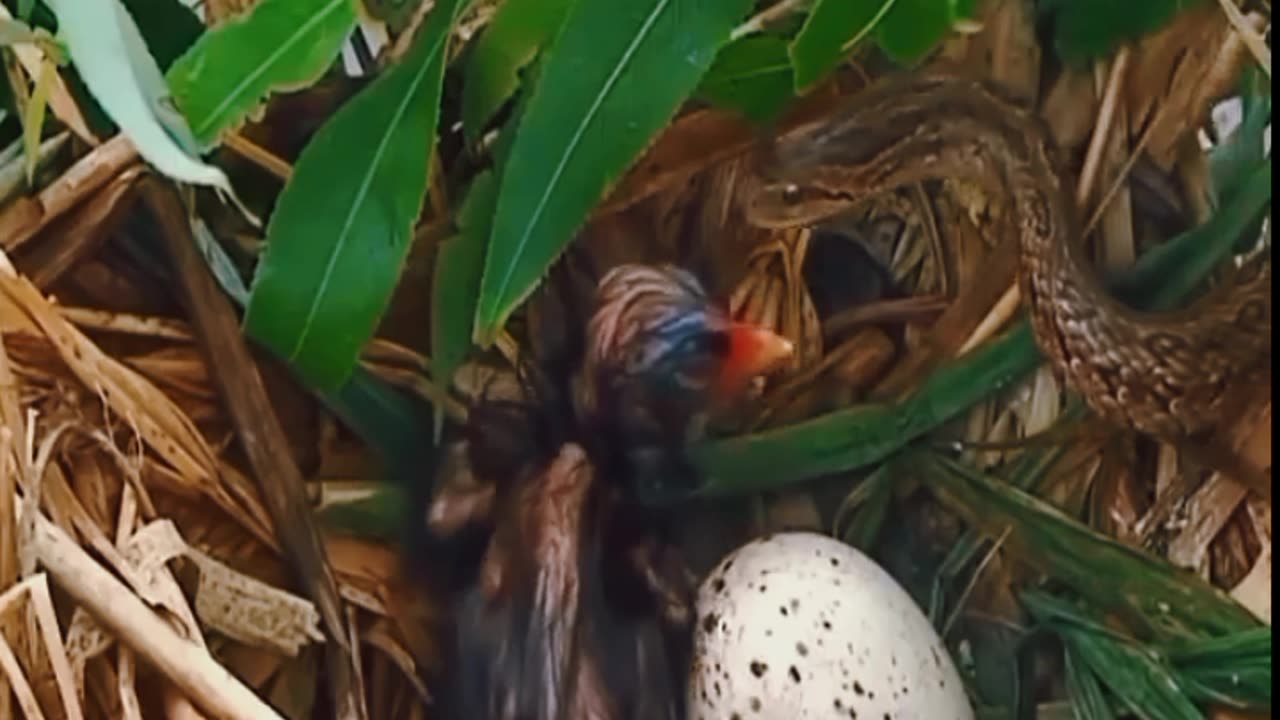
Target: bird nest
(144,465)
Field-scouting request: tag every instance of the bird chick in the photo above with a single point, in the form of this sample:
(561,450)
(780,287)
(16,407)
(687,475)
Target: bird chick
(578,607)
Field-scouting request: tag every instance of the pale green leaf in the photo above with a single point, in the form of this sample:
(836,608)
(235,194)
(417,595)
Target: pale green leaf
(105,47)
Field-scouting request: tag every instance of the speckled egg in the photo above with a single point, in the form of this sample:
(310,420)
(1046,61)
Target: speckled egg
(800,625)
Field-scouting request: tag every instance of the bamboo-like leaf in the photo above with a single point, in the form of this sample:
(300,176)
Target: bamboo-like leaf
(279,45)
(611,80)
(457,280)
(833,28)
(751,75)
(341,228)
(518,31)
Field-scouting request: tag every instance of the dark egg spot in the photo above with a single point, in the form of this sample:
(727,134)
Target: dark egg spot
(835,562)
(802,649)
(857,687)
(718,584)
(794,673)
(709,622)
(758,668)
(755,704)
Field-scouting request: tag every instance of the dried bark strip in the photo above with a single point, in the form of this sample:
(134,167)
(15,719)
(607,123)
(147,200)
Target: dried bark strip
(259,431)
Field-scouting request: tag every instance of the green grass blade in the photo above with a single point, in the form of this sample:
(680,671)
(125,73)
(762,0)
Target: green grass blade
(1160,599)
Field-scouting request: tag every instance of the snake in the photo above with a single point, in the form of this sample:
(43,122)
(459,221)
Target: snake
(1163,373)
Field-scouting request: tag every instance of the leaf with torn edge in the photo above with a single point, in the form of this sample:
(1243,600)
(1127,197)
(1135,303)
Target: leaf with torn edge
(613,77)
(106,49)
(279,45)
(518,30)
(341,228)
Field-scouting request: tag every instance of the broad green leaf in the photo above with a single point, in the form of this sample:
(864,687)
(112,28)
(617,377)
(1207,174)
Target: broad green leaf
(519,29)
(341,228)
(833,28)
(457,280)
(280,45)
(613,77)
(106,48)
(1085,30)
(751,75)
(912,28)
(858,436)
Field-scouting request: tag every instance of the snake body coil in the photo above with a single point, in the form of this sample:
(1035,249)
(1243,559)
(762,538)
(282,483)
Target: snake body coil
(1161,373)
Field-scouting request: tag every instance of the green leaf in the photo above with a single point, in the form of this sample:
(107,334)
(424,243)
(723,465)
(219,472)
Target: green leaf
(1233,670)
(1231,159)
(1087,696)
(518,31)
(611,80)
(1160,599)
(457,280)
(864,434)
(1085,30)
(279,45)
(107,50)
(833,28)
(341,228)
(392,423)
(751,75)
(912,28)
(1142,679)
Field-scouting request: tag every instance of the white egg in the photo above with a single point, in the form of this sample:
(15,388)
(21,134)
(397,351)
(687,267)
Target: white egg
(800,625)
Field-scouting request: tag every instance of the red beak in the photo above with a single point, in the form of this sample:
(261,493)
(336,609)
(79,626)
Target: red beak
(753,352)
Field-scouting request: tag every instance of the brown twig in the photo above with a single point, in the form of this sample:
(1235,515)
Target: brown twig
(260,156)
(120,612)
(21,220)
(261,436)
(75,236)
